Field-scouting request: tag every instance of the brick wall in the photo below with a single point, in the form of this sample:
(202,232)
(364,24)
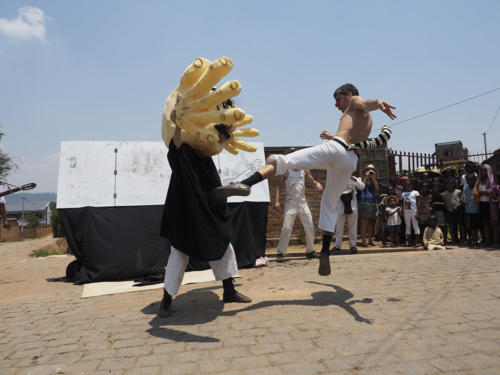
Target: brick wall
(275,218)
(377,157)
(14,234)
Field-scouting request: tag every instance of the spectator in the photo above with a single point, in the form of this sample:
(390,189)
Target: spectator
(483,185)
(438,208)
(495,203)
(433,236)
(410,209)
(393,212)
(471,200)
(368,205)
(424,207)
(468,169)
(452,202)
(347,211)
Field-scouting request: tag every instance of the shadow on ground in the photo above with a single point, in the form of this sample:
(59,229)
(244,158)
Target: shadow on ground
(202,306)
(340,297)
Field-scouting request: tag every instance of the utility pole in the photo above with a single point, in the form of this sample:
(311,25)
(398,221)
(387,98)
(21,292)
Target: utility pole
(485,149)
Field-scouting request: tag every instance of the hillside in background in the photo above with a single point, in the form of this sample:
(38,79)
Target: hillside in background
(33,198)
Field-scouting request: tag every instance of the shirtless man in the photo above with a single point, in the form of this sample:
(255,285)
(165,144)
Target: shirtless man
(337,156)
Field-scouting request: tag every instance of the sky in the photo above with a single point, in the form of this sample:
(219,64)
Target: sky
(102,70)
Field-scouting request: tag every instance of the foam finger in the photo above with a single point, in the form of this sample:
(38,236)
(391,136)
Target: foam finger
(227,90)
(231,149)
(193,73)
(250,132)
(246,120)
(242,145)
(215,72)
(226,116)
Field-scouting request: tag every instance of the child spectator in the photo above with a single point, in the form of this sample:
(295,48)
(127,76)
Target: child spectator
(482,187)
(393,212)
(433,236)
(438,208)
(410,200)
(452,203)
(424,207)
(461,217)
(495,202)
(471,209)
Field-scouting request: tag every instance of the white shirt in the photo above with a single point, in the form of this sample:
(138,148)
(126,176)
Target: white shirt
(2,200)
(410,201)
(392,219)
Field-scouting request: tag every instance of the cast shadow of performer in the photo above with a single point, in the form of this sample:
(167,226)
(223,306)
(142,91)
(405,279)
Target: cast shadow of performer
(198,306)
(340,298)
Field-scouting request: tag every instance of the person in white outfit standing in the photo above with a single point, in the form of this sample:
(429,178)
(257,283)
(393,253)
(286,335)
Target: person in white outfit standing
(296,203)
(347,210)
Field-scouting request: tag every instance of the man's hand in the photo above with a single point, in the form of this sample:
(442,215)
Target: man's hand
(277,206)
(319,187)
(326,134)
(387,108)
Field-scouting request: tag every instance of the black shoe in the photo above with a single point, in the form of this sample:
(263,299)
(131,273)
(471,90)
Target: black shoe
(335,250)
(354,250)
(280,258)
(312,255)
(324,266)
(234,188)
(235,296)
(165,305)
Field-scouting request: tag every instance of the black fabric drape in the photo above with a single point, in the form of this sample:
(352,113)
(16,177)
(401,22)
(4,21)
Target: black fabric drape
(116,243)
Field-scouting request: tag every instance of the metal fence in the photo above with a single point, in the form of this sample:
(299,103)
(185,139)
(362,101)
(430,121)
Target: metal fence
(400,161)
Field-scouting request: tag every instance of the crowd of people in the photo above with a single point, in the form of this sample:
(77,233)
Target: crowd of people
(428,208)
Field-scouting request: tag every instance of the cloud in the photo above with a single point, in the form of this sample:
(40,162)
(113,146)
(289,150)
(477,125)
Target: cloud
(30,23)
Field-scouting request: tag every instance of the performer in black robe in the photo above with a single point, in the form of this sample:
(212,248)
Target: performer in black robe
(194,221)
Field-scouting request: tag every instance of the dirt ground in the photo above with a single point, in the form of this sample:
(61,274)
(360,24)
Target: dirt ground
(24,278)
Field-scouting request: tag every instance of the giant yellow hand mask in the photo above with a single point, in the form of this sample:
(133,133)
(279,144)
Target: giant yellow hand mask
(198,110)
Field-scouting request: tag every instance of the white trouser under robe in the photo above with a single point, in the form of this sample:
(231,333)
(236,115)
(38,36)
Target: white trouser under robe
(339,164)
(292,208)
(223,268)
(352,226)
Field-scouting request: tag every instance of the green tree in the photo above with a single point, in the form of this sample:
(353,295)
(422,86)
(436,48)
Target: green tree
(6,163)
(55,220)
(32,220)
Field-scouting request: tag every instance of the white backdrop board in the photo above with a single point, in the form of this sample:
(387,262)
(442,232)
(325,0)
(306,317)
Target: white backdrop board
(106,174)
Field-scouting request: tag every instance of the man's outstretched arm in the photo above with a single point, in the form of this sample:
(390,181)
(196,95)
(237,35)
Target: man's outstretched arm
(368,105)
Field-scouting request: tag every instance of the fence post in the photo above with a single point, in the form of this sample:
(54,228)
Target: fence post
(400,156)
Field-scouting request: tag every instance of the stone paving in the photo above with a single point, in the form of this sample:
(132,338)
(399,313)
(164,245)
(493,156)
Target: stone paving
(418,312)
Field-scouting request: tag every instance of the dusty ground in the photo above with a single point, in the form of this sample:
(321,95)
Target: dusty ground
(24,278)
(380,312)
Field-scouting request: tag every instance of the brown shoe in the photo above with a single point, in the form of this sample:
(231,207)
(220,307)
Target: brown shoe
(324,266)
(236,297)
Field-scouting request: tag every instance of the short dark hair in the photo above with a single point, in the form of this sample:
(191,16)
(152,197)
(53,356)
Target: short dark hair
(344,89)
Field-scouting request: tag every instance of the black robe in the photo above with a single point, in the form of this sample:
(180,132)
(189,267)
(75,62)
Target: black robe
(193,221)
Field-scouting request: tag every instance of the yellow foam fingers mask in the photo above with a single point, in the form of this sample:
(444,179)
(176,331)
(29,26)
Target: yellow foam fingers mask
(198,110)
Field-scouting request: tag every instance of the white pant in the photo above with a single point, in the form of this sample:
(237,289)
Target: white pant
(222,268)
(410,219)
(292,208)
(339,164)
(352,225)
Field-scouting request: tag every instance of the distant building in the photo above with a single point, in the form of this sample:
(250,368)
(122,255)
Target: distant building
(449,152)
(16,211)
